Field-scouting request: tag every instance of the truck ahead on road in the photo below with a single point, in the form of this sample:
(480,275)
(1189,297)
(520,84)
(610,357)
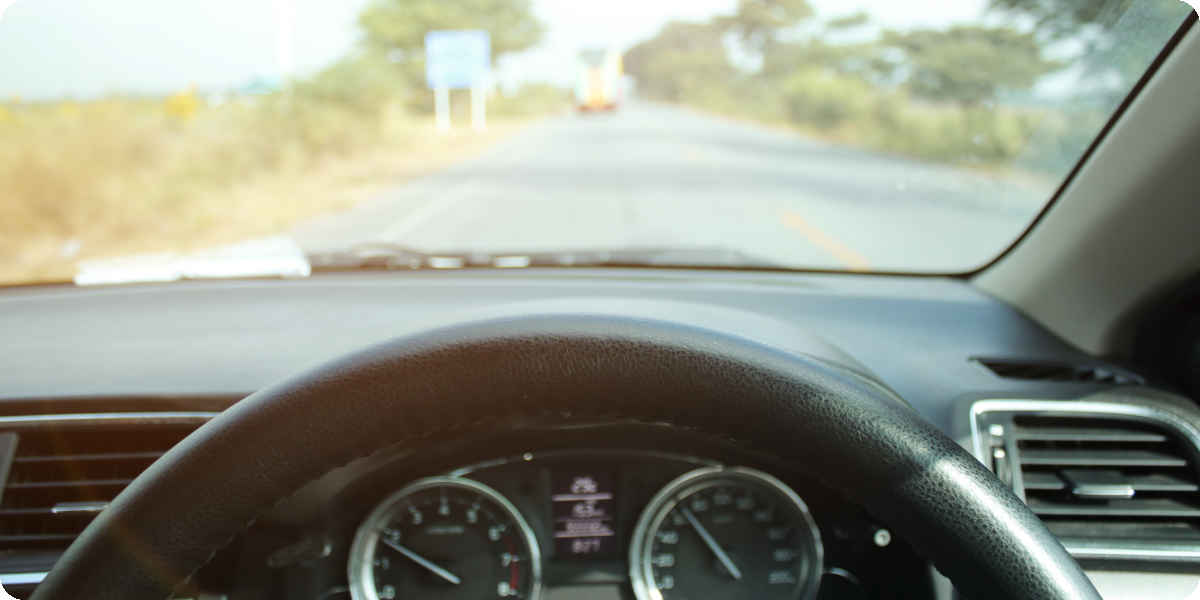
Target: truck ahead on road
(600,79)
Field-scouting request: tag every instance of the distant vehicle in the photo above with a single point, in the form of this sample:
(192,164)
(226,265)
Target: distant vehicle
(601,73)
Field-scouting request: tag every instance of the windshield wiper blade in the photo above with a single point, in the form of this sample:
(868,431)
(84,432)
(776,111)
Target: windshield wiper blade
(385,255)
(368,255)
(676,256)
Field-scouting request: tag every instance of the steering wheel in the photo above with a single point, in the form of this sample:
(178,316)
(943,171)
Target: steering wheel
(833,423)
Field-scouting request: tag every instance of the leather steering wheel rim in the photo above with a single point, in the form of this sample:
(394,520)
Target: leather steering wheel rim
(839,427)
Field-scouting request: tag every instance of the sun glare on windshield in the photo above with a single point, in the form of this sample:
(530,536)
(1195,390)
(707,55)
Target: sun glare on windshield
(143,140)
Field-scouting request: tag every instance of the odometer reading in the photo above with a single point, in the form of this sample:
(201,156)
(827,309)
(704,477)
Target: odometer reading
(444,538)
(583,507)
(726,533)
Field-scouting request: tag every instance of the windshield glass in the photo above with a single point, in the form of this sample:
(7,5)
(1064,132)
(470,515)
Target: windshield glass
(143,139)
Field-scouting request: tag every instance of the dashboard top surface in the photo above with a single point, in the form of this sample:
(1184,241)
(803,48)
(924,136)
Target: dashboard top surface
(234,337)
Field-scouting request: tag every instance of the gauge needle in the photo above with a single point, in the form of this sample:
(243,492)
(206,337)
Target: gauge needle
(712,544)
(420,560)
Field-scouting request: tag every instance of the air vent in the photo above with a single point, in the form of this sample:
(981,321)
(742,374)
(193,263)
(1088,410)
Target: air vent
(62,476)
(1036,370)
(1126,485)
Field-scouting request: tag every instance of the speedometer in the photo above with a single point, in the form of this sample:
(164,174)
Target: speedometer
(447,538)
(721,532)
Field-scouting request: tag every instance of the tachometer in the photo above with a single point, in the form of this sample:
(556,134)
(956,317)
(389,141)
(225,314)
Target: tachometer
(721,532)
(445,537)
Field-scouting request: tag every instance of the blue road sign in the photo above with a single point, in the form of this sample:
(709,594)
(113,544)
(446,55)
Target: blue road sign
(457,59)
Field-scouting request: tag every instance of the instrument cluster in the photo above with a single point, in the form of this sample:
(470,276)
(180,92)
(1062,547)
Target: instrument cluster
(614,524)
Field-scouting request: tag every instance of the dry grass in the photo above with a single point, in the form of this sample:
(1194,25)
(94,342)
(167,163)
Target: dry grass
(112,177)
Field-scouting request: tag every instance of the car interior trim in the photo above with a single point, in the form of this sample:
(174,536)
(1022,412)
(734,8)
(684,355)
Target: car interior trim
(1087,549)
(568,453)
(1091,246)
(28,578)
(1136,411)
(121,418)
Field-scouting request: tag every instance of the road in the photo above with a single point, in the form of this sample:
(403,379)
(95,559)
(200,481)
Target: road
(656,176)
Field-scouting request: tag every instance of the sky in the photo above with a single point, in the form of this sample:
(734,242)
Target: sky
(81,48)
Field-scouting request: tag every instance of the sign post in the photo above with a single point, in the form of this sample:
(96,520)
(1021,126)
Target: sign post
(478,107)
(441,108)
(455,60)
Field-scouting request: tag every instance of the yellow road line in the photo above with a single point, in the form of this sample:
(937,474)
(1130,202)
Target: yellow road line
(849,258)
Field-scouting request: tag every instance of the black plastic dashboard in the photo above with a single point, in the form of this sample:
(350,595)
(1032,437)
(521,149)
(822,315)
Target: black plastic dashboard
(199,346)
(232,338)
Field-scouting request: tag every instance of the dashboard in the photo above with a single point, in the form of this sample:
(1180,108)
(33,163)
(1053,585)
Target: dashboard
(591,513)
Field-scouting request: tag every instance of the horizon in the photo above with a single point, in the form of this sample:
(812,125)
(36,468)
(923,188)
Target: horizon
(229,44)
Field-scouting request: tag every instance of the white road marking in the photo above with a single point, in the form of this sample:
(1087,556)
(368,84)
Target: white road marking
(435,207)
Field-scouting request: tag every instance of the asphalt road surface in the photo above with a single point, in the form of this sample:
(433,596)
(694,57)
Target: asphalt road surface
(655,176)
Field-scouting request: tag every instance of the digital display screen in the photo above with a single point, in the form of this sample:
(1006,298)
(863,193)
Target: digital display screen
(583,506)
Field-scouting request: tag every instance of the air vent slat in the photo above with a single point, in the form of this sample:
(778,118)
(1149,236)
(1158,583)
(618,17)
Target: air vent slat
(1087,434)
(1101,458)
(1151,508)
(85,483)
(1118,529)
(1108,476)
(108,456)
(10,540)
(37,510)
(1049,481)
(1044,481)
(1162,482)
(61,478)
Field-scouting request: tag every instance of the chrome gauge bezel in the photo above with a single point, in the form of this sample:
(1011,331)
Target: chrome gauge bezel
(641,546)
(366,539)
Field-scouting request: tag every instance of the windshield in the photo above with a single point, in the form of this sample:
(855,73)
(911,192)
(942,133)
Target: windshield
(143,139)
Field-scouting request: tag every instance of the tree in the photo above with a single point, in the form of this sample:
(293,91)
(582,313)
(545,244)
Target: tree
(1116,39)
(859,60)
(757,22)
(395,33)
(850,21)
(1063,18)
(967,64)
(363,83)
(682,60)
(401,25)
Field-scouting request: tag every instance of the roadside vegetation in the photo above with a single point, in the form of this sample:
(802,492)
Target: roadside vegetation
(117,175)
(962,94)
(92,178)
